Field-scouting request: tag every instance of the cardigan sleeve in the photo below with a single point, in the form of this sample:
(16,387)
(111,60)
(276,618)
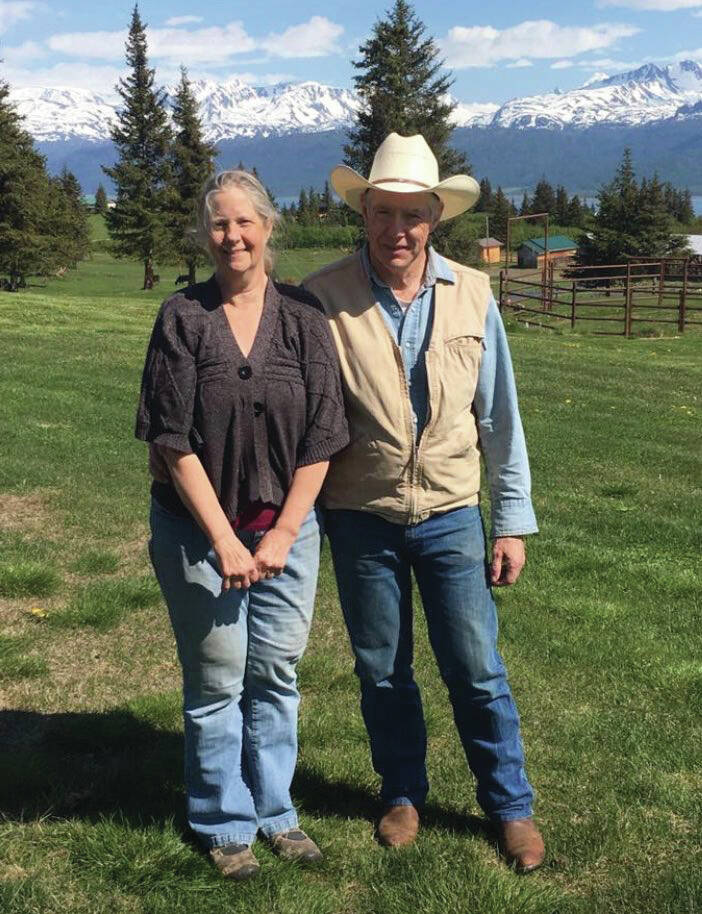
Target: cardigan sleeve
(326,429)
(165,413)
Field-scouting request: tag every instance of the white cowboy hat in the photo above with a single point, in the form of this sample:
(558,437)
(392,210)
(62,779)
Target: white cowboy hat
(406,165)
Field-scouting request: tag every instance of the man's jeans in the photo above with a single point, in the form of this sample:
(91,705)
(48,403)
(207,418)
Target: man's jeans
(238,651)
(373,559)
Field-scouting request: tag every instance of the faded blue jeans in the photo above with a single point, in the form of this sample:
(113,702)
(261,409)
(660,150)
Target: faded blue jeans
(238,651)
(373,560)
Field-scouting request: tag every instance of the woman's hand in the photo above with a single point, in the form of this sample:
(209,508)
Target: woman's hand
(237,565)
(272,552)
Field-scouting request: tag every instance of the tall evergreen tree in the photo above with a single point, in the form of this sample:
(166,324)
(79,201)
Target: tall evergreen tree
(484,204)
(561,205)
(192,161)
(575,212)
(27,242)
(401,88)
(100,201)
(525,207)
(544,199)
(630,220)
(501,211)
(138,223)
(70,219)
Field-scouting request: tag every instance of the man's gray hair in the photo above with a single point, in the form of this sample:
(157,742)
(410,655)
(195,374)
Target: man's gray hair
(254,190)
(435,207)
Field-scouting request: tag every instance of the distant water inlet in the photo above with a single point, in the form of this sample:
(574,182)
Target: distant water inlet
(638,298)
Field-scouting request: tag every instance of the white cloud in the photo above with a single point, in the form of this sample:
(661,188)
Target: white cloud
(315,38)
(485,46)
(663,6)
(12,11)
(213,45)
(175,21)
(23,53)
(100,79)
(562,64)
(518,64)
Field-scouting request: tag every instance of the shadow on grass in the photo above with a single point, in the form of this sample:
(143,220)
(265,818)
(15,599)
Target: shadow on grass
(321,797)
(90,765)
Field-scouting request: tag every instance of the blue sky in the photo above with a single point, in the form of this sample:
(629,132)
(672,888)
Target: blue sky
(495,50)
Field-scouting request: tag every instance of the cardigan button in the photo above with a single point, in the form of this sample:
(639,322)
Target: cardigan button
(257,408)
(245,372)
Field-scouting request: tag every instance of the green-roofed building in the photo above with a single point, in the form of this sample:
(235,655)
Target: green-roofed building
(531,252)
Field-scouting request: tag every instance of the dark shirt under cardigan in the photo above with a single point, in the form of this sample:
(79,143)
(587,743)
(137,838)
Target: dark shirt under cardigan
(252,421)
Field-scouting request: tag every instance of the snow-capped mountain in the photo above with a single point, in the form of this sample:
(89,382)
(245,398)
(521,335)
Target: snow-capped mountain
(233,109)
(229,109)
(638,97)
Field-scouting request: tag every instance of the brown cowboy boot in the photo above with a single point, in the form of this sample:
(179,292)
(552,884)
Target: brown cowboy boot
(398,826)
(521,844)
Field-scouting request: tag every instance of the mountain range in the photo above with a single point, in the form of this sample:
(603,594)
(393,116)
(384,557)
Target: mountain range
(658,109)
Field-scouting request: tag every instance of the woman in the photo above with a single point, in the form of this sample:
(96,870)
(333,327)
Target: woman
(241,399)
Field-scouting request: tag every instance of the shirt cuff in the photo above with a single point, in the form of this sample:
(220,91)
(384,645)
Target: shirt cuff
(513,517)
(323,450)
(180,443)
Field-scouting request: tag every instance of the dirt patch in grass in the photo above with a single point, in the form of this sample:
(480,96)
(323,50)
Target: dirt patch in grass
(94,670)
(30,514)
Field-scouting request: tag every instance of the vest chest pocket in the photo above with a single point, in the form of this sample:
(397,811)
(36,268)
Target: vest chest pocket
(453,376)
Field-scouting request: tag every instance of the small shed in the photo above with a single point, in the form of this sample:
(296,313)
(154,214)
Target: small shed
(489,250)
(531,252)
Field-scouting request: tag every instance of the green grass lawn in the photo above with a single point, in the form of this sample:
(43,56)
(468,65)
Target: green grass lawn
(602,637)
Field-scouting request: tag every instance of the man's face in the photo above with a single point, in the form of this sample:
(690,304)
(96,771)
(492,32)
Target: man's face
(398,228)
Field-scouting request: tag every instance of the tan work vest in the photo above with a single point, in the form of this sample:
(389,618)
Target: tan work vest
(383,470)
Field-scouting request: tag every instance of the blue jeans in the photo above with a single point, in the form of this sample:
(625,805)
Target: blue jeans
(238,651)
(373,560)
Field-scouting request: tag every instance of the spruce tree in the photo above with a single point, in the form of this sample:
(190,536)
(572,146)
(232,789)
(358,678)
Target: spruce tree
(501,211)
(630,220)
(100,201)
(525,208)
(575,212)
(561,205)
(401,88)
(27,244)
(192,161)
(484,204)
(544,199)
(69,219)
(138,223)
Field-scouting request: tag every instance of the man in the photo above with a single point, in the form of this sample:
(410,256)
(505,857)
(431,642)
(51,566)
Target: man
(427,383)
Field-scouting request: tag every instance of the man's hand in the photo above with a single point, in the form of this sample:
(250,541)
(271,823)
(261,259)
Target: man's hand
(508,559)
(272,552)
(157,465)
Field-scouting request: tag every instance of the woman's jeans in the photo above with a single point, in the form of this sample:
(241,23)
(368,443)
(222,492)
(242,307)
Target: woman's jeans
(238,651)
(373,560)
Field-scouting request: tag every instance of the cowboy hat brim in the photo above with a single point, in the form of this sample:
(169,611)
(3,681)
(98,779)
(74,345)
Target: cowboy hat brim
(457,193)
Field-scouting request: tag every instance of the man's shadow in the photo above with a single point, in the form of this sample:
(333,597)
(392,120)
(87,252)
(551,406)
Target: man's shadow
(89,765)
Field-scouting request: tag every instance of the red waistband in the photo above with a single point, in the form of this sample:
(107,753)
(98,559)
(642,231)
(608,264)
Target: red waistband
(257,516)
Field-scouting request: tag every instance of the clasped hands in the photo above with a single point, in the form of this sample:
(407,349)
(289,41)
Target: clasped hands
(240,568)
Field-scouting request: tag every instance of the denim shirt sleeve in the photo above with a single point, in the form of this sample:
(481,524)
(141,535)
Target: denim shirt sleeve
(501,434)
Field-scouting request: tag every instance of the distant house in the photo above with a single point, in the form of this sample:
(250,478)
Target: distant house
(489,250)
(531,252)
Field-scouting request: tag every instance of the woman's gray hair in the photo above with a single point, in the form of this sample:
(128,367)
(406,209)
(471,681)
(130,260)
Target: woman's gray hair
(254,190)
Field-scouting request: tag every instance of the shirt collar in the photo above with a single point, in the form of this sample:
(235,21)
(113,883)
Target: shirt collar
(437,268)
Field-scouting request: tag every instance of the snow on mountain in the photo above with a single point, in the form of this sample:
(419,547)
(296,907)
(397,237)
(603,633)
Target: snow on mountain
(60,114)
(473,114)
(229,109)
(641,96)
(233,108)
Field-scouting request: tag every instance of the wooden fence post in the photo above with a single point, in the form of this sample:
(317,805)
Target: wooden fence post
(661,284)
(572,307)
(627,301)
(501,283)
(683,299)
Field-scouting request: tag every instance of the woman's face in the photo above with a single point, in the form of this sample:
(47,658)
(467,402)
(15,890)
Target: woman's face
(238,235)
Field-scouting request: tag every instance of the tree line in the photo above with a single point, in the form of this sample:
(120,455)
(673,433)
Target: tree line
(43,225)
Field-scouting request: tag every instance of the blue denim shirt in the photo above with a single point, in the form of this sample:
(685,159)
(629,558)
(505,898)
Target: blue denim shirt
(495,403)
